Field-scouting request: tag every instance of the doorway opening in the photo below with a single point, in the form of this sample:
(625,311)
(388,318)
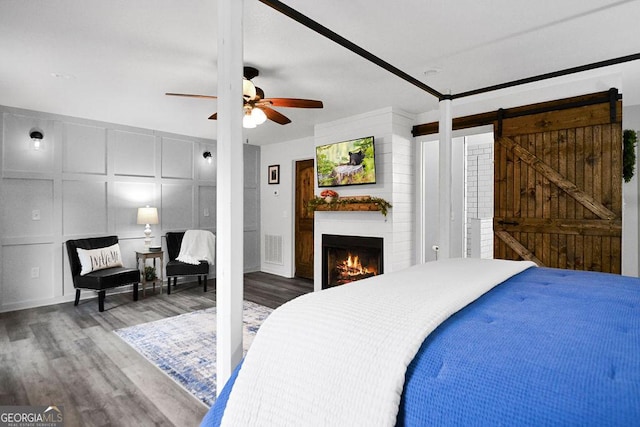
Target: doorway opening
(472,181)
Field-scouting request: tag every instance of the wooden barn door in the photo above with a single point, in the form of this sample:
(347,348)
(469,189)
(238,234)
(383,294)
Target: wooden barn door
(558,185)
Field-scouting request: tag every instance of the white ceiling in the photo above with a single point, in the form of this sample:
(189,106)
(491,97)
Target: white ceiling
(114,60)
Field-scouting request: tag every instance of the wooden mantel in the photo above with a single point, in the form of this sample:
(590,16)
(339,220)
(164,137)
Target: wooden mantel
(351,204)
(364,206)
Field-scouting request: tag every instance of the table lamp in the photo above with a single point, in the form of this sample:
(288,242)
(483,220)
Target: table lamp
(147,216)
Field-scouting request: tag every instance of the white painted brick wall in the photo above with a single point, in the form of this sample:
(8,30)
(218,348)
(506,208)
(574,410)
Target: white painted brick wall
(479,184)
(480,237)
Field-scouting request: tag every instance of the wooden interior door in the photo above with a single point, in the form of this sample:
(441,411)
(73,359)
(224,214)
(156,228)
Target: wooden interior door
(304,219)
(558,188)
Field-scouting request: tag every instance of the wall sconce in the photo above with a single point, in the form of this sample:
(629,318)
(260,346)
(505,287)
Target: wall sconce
(147,216)
(208,156)
(36,139)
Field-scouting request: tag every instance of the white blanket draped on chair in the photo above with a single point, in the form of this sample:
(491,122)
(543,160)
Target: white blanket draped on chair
(197,245)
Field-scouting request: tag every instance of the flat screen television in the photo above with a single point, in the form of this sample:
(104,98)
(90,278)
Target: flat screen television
(350,162)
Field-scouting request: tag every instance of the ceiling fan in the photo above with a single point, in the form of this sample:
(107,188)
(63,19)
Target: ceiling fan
(257,108)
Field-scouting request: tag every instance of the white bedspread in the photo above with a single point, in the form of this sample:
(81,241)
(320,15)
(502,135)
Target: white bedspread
(196,246)
(338,357)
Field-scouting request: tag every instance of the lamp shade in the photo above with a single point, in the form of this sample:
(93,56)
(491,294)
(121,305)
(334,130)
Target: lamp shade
(258,116)
(247,121)
(147,215)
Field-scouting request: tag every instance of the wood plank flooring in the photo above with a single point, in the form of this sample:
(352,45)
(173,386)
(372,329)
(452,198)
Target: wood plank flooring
(68,356)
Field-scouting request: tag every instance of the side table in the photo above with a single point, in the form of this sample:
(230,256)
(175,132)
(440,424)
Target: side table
(144,256)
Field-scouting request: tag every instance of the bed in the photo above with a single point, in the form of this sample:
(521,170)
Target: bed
(541,347)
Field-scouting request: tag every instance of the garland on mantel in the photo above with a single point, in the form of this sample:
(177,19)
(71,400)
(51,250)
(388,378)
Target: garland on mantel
(334,203)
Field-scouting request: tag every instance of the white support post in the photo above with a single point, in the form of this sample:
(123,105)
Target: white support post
(230,188)
(445,181)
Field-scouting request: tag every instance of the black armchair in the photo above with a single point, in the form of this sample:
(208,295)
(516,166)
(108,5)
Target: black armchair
(99,280)
(177,268)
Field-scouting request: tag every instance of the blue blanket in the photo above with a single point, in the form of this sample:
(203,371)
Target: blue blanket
(545,347)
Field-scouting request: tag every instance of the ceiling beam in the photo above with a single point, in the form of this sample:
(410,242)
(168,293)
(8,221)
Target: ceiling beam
(331,35)
(324,31)
(566,71)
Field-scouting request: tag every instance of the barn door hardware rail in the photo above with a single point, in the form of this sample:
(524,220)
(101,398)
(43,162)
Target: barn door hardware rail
(611,97)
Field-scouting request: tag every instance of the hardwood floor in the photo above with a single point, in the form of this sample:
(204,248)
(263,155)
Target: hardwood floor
(68,356)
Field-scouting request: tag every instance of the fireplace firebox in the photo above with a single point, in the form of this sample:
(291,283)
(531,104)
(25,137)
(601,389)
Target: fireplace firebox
(346,259)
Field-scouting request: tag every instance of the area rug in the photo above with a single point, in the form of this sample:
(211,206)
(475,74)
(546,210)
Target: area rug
(184,346)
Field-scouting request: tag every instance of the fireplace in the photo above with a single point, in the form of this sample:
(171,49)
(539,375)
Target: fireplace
(346,259)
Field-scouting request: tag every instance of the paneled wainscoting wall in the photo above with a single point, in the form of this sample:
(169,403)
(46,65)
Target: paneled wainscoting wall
(88,180)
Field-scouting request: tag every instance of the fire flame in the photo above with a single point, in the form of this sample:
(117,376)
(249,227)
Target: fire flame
(353,267)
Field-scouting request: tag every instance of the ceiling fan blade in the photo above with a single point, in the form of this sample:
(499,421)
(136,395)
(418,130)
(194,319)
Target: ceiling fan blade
(294,102)
(259,94)
(214,116)
(275,116)
(191,95)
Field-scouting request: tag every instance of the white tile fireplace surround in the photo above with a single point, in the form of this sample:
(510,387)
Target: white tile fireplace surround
(362,224)
(394,157)
(346,259)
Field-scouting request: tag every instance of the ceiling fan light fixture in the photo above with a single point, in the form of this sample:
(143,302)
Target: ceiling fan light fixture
(258,116)
(248,90)
(257,108)
(248,122)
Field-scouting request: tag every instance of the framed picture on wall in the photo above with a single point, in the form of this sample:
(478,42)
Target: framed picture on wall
(274,174)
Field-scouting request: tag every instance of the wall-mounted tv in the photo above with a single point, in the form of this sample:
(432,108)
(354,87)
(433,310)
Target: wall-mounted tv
(350,162)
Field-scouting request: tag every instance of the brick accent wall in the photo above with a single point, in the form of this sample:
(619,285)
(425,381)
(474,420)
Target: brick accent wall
(479,184)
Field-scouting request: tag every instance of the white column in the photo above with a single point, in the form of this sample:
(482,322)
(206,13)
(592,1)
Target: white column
(230,187)
(445,180)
